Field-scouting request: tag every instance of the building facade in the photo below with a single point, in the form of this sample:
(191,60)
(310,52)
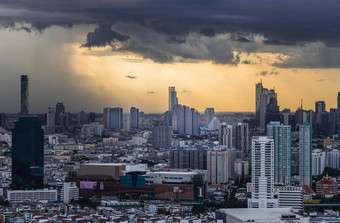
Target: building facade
(305,154)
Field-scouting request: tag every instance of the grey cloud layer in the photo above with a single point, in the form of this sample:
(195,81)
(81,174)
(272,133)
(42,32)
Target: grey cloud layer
(165,31)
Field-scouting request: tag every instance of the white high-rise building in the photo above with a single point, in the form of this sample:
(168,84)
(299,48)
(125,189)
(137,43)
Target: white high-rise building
(226,135)
(282,136)
(69,191)
(333,159)
(305,154)
(214,124)
(318,162)
(262,173)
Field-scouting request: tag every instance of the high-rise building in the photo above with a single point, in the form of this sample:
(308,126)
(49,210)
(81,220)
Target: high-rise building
(24,95)
(220,166)
(188,158)
(258,92)
(282,135)
(209,113)
(185,120)
(134,117)
(305,154)
(242,138)
(262,173)
(333,159)
(116,118)
(161,137)
(82,118)
(59,112)
(173,101)
(338,104)
(27,154)
(269,110)
(333,120)
(226,135)
(91,117)
(126,122)
(50,121)
(319,161)
(2,120)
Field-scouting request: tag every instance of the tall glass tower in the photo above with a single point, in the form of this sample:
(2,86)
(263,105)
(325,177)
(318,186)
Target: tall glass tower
(24,95)
(282,135)
(27,154)
(173,101)
(305,154)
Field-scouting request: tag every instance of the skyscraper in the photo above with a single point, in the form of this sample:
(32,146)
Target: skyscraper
(24,95)
(188,158)
(258,92)
(220,166)
(134,117)
(59,111)
(161,136)
(242,138)
(305,154)
(106,117)
(226,135)
(209,113)
(262,173)
(185,120)
(50,121)
(173,101)
(282,151)
(116,118)
(27,154)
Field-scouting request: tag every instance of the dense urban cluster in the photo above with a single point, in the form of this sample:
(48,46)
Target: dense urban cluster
(181,166)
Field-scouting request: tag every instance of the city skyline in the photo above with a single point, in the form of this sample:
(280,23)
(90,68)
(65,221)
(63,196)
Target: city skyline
(214,55)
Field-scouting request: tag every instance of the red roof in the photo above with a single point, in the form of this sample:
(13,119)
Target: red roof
(327,180)
(308,189)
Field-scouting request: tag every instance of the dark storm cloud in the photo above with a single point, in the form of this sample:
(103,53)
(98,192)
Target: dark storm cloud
(168,26)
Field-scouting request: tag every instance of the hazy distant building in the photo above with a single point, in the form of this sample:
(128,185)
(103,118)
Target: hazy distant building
(188,158)
(319,162)
(333,159)
(333,120)
(214,124)
(2,120)
(282,135)
(226,135)
(161,137)
(106,117)
(115,118)
(126,122)
(59,114)
(50,121)
(209,113)
(27,154)
(91,117)
(82,118)
(242,138)
(134,117)
(305,154)
(24,95)
(262,177)
(92,129)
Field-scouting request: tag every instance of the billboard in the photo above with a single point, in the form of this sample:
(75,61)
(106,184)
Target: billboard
(88,185)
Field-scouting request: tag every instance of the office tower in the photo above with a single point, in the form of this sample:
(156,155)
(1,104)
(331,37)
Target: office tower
(320,107)
(106,117)
(2,120)
(50,121)
(24,95)
(318,162)
(188,120)
(333,121)
(195,127)
(241,168)
(305,154)
(178,119)
(91,117)
(262,173)
(242,138)
(116,118)
(134,117)
(82,118)
(188,158)
(173,101)
(59,112)
(209,113)
(161,136)
(218,166)
(269,110)
(27,154)
(282,135)
(258,92)
(290,197)
(333,159)
(226,135)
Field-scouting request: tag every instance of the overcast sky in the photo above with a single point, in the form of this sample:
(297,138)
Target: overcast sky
(94,54)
